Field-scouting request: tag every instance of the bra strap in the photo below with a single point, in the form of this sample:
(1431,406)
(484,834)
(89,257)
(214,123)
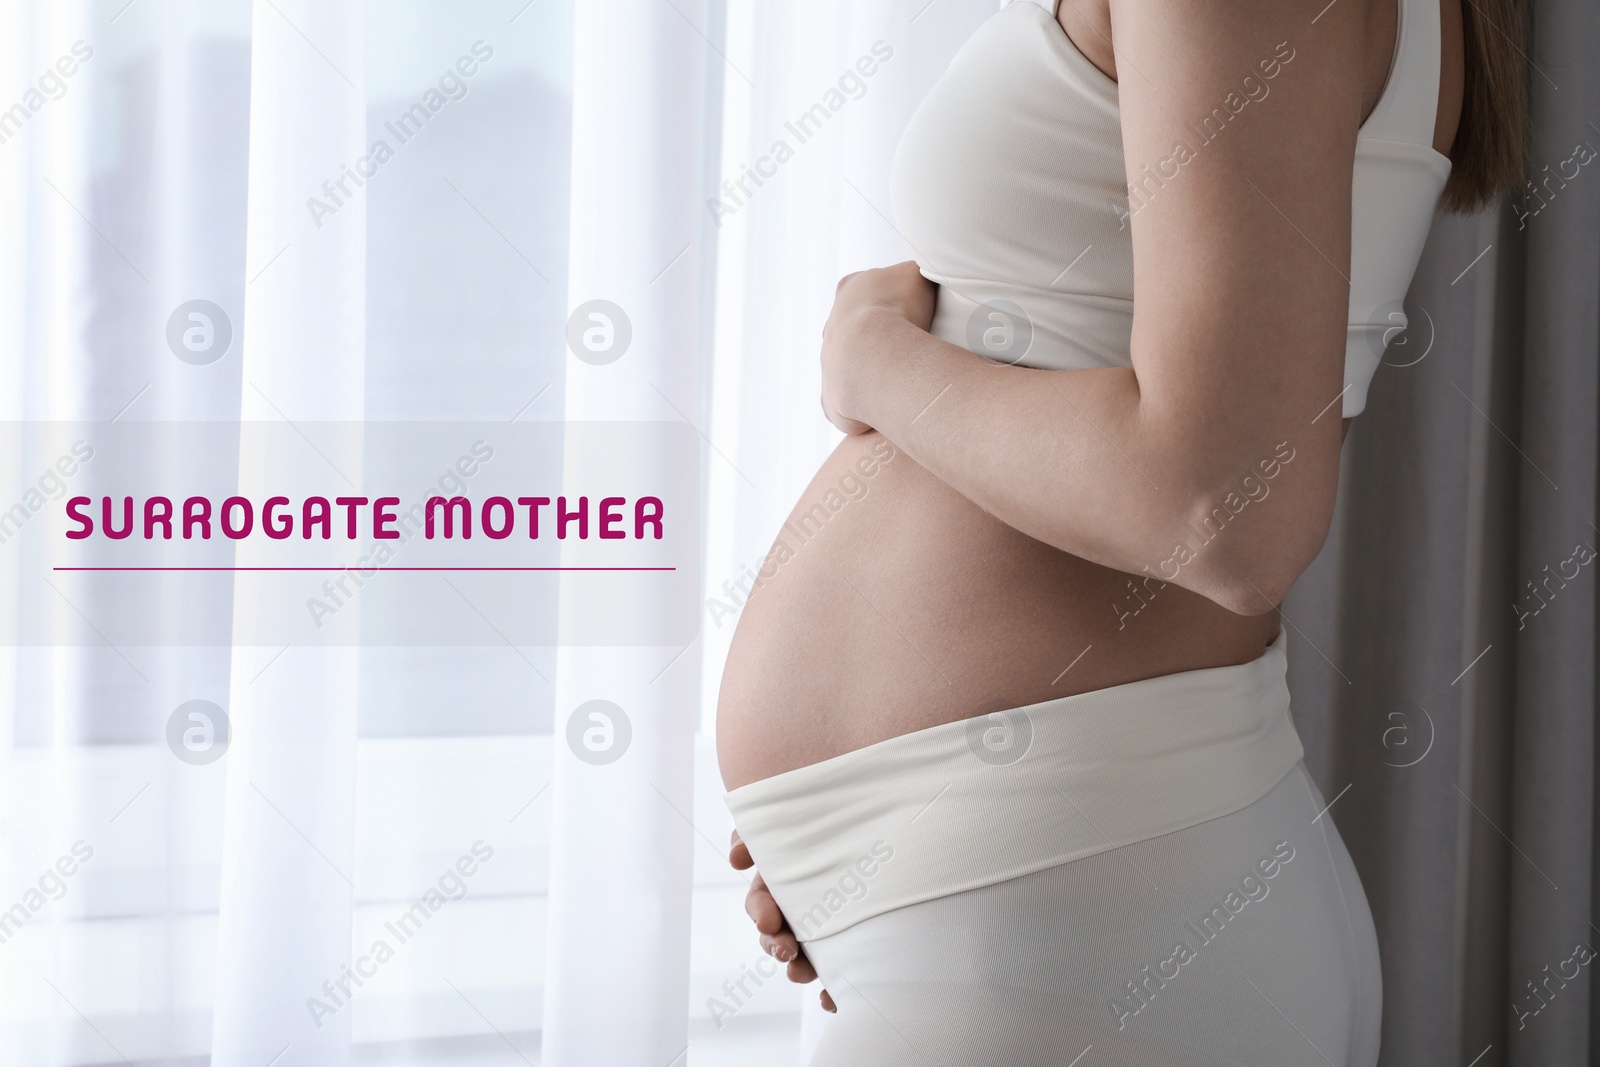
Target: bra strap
(1409,106)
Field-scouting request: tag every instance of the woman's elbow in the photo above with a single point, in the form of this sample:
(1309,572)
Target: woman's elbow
(1254,593)
(1249,566)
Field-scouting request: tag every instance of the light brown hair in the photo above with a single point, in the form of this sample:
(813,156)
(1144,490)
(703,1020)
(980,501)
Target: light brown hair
(1491,150)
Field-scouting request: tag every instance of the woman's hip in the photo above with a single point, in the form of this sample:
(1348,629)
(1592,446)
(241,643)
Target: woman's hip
(1244,939)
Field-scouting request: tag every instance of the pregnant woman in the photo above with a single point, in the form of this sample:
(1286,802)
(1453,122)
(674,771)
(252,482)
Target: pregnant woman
(1008,736)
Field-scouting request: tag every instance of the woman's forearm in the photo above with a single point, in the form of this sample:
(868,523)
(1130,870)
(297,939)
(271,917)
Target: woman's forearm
(1085,461)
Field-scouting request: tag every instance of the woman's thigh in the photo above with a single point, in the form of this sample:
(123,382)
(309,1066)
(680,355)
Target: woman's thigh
(1243,940)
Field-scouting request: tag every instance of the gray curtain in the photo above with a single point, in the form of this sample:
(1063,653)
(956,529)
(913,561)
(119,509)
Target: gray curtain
(1443,646)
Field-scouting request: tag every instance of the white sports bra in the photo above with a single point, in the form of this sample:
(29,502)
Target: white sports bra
(1009,184)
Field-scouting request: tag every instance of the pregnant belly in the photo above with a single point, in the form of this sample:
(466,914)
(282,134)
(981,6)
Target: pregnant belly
(890,603)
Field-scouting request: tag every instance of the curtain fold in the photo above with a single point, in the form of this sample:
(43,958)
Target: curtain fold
(1443,651)
(621,854)
(288,881)
(1553,754)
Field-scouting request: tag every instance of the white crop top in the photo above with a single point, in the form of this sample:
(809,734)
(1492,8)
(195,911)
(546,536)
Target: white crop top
(1009,184)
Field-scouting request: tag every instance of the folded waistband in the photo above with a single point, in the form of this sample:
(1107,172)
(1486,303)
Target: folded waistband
(982,800)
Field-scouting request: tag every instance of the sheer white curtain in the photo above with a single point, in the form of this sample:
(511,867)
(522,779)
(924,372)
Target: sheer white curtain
(809,214)
(171,162)
(226,904)
(288,837)
(623,834)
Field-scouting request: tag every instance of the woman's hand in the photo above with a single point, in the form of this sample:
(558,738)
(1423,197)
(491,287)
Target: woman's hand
(900,291)
(777,940)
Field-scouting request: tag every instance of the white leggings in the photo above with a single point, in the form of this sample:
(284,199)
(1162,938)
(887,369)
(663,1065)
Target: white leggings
(1240,941)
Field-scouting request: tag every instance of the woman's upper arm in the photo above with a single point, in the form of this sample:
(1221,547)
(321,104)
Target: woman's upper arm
(1239,120)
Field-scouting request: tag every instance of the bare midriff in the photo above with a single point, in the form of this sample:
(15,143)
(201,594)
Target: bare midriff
(890,603)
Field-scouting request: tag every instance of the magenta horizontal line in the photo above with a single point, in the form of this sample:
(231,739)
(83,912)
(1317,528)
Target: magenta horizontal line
(358,567)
